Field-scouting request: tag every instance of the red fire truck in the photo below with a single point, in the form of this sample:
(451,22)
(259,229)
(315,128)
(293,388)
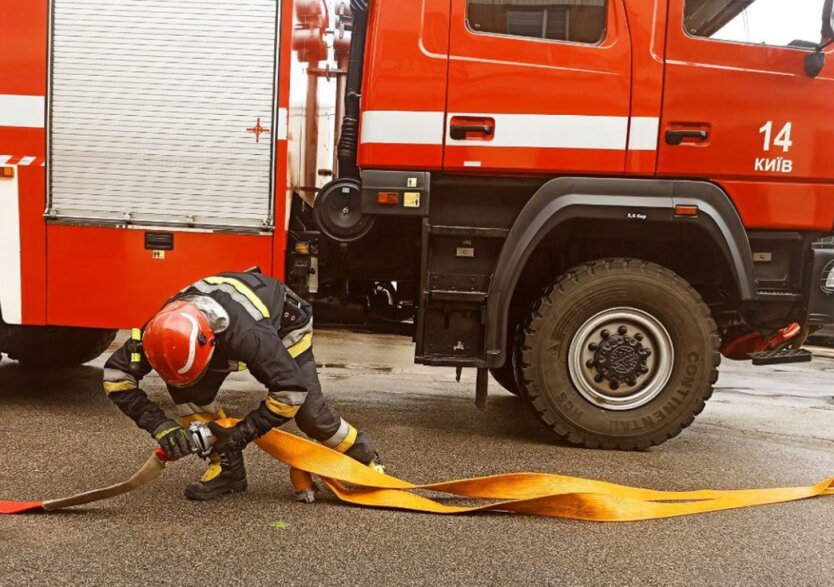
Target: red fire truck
(590,199)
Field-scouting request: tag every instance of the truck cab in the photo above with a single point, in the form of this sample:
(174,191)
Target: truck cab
(592,199)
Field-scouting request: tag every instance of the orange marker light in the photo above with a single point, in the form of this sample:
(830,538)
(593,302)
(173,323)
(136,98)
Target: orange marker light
(689,211)
(7,172)
(388,198)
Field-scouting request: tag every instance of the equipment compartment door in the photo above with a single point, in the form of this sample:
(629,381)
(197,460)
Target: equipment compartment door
(539,86)
(162,111)
(739,108)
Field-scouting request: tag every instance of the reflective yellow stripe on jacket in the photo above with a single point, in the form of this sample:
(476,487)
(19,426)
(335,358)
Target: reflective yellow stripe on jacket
(243,290)
(301,346)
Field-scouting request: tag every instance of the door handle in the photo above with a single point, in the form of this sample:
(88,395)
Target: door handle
(459,132)
(677,137)
(461,129)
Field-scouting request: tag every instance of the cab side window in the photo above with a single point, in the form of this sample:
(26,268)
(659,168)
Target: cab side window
(577,21)
(780,23)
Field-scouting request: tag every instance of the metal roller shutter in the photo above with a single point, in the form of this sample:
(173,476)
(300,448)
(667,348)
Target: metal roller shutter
(161,111)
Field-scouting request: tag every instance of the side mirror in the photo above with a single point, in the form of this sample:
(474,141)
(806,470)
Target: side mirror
(814,62)
(830,32)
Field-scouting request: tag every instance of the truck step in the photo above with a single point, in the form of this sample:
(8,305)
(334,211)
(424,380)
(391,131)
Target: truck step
(782,356)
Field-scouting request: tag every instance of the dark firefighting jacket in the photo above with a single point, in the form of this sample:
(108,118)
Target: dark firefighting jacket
(269,329)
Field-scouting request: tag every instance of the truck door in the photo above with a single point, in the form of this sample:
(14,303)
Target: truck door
(538,86)
(163,112)
(739,108)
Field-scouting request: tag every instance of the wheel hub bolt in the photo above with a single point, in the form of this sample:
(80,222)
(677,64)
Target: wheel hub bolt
(605,334)
(593,347)
(638,336)
(614,385)
(622,330)
(590,363)
(599,378)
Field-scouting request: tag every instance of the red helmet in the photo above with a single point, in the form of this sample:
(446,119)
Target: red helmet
(179,343)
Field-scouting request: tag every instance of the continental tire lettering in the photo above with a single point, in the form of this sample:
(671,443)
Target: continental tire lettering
(691,370)
(670,408)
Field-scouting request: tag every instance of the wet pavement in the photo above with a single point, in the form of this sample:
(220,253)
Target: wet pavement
(763,427)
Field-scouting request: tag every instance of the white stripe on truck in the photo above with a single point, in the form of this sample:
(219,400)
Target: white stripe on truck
(532,131)
(22,111)
(393,127)
(643,134)
(542,131)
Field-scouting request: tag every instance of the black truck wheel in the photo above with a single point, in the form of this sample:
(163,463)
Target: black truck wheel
(618,354)
(56,347)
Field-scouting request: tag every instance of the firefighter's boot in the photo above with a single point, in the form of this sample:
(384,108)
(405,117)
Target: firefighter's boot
(377,465)
(225,474)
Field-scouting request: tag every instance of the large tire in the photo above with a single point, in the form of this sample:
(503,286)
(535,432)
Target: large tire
(618,354)
(55,347)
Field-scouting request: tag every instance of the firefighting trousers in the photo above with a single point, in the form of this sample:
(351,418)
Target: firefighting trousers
(314,418)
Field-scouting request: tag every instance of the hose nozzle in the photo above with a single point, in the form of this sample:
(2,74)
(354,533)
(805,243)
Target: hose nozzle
(202,440)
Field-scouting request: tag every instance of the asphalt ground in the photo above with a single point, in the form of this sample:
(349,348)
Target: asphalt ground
(764,427)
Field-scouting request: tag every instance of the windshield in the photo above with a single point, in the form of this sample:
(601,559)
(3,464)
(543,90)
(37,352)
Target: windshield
(785,23)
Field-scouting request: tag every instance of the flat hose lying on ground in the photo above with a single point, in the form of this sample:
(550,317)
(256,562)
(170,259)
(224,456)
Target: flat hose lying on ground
(528,493)
(152,468)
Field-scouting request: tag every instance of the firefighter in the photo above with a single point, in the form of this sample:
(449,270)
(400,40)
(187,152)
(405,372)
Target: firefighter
(213,327)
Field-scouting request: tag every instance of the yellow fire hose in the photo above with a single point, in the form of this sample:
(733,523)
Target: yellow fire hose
(540,494)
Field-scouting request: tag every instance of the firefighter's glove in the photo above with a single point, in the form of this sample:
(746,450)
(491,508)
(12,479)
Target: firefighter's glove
(230,439)
(173,439)
(253,426)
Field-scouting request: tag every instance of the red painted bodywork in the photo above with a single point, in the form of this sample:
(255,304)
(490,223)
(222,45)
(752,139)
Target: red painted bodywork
(104,277)
(731,89)
(422,57)
(406,69)
(23,47)
(648,41)
(513,75)
(734,89)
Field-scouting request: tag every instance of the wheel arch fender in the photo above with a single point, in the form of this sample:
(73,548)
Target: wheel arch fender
(639,200)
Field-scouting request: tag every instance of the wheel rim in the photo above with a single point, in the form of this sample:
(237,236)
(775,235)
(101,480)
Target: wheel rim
(621,359)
